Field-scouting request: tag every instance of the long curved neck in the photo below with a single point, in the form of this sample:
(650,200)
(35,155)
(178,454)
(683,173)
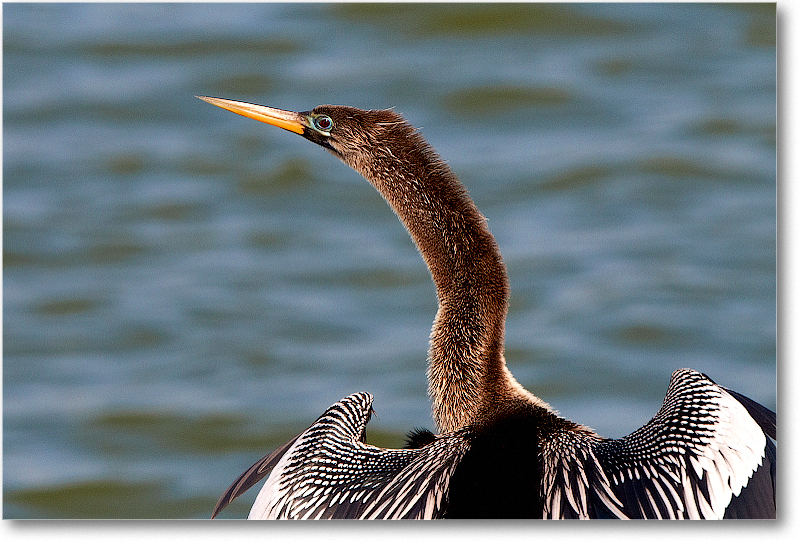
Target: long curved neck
(466,369)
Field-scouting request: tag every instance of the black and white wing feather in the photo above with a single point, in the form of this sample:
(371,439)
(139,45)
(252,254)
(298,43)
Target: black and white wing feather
(329,472)
(707,453)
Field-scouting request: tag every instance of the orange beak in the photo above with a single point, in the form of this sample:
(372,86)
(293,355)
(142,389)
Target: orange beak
(288,120)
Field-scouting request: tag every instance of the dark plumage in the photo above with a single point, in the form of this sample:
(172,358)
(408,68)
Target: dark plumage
(501,451)
(419,437)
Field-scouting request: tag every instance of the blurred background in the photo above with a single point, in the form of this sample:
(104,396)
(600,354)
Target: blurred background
(184,289)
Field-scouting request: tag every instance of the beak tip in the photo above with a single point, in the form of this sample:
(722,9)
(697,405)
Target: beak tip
(288,120)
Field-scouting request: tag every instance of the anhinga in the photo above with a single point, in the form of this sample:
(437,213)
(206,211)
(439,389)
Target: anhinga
(501,451)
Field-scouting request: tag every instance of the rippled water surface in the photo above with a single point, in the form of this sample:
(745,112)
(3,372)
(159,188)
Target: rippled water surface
(184,289)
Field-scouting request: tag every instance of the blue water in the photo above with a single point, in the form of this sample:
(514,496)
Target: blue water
(184,289)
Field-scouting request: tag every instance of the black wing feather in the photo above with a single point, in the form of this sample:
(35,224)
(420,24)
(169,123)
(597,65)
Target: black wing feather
(764,417)
(757,499)
(706,454)
(328,472)
(254,474)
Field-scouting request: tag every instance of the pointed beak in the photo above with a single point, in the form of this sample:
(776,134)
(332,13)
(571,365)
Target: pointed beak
(288,120)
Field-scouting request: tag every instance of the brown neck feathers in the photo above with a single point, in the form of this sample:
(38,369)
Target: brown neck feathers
(465,367)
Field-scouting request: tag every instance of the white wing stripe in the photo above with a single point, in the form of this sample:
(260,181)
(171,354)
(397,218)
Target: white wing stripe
(700,428)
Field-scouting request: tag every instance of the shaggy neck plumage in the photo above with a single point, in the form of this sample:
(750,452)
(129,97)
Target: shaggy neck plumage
(466,369)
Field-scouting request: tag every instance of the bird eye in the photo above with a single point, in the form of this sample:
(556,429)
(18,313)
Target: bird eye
(323,123)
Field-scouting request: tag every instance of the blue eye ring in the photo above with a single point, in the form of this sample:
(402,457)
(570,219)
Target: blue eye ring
(323,123)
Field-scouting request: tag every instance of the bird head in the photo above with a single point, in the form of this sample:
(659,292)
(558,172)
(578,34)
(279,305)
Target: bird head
(355,135)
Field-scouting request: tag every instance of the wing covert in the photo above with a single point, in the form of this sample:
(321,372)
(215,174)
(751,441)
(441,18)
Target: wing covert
(329,472)
(697,458)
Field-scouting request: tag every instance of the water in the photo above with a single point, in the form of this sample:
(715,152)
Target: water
(184,289)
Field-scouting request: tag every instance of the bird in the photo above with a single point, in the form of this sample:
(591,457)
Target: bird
(499,451)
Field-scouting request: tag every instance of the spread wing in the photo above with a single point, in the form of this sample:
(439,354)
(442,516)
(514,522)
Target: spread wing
(708,453)
(329,472)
